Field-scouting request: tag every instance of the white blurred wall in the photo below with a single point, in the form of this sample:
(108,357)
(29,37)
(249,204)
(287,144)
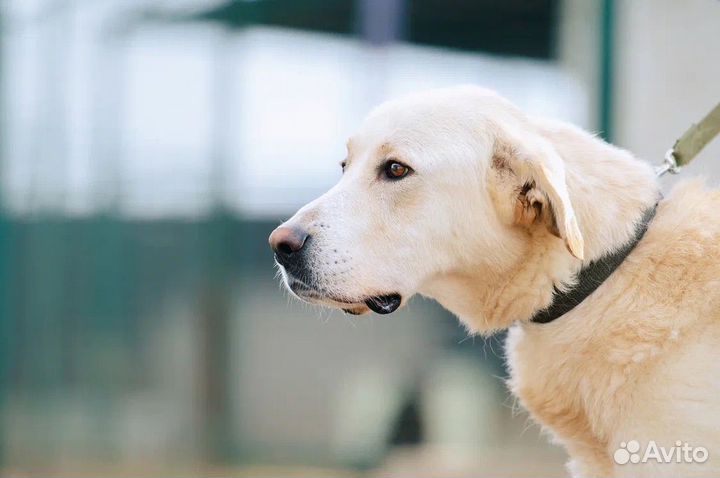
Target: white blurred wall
(154,119)
(578,49)
(667,76)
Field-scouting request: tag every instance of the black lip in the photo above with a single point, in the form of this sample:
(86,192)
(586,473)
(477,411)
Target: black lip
(380,304)
(384,304)
(294,264)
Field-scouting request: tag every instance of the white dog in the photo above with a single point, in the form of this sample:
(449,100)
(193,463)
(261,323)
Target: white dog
(513,221)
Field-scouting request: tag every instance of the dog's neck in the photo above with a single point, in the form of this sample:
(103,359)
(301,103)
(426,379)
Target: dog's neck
(610,191)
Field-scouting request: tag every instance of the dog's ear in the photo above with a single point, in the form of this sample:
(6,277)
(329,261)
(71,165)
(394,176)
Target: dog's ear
(541,195)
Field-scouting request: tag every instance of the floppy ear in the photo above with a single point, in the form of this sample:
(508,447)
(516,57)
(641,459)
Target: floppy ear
(542,195)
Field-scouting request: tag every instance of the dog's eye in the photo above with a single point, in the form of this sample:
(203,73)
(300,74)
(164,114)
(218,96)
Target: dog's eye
(342,165)
(395,170)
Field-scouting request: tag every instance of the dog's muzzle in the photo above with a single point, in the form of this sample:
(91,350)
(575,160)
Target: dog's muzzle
(290,245)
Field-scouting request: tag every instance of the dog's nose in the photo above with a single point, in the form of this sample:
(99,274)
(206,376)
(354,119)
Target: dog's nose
(287,241)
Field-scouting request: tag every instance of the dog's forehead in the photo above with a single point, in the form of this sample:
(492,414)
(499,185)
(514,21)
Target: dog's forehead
(399,126)
(406,116)
(423,119)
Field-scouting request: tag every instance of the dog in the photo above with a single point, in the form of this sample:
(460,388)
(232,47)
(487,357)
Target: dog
(457,195)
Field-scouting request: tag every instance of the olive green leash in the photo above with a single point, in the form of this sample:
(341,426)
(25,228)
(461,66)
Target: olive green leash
(691,143)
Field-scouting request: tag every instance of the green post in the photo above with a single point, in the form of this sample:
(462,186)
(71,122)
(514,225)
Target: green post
(607,45)
(4,319)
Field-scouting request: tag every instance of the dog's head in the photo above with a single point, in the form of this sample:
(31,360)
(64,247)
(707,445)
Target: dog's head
(433,184)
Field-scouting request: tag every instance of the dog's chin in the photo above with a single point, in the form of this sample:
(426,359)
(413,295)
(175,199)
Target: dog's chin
(381,304)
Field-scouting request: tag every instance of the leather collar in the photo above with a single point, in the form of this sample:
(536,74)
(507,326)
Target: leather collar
(593,275)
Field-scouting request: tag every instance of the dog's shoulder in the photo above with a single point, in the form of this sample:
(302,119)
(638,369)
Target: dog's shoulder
(640,335)
(680,254)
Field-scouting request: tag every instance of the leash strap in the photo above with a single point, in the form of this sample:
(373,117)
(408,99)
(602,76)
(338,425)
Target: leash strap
(691,143)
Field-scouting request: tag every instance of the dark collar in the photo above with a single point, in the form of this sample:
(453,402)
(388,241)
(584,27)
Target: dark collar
(593,275)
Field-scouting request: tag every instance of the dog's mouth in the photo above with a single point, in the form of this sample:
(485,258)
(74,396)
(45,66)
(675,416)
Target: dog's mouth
(380,304)
(384,304)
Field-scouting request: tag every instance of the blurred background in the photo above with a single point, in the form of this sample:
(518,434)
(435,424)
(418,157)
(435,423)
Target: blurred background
(147,149)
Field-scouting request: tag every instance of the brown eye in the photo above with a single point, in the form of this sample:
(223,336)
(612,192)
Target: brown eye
(395,170)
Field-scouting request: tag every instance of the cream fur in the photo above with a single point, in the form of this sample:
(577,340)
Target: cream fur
(637,360)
